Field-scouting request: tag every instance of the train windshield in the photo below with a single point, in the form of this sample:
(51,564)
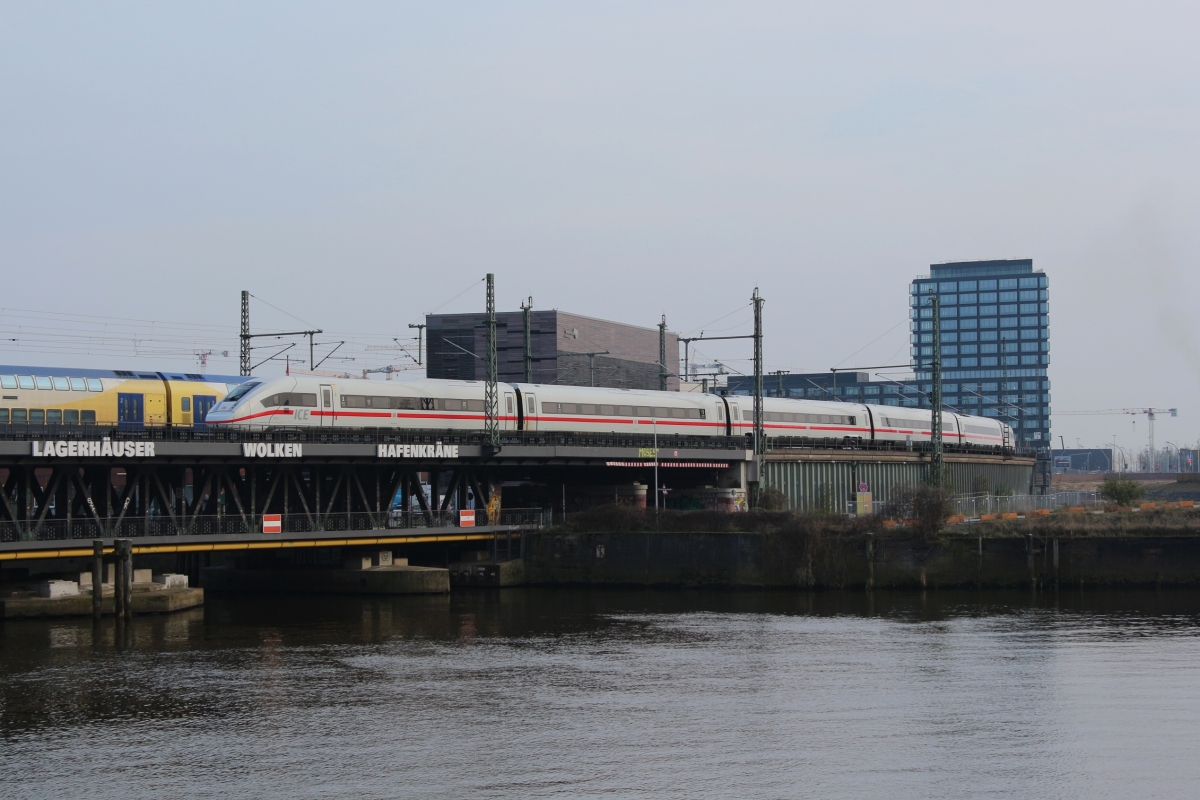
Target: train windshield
(241,391)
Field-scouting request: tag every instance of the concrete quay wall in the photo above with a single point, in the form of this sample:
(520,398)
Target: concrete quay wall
(762,560)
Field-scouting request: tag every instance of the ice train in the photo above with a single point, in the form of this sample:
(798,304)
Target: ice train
(307,402)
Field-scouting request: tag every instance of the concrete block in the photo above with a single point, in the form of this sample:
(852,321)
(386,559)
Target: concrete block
(358,562)
(399,562)
(382,559)
(58,589)
(85,577)
(170,580)
(143,575)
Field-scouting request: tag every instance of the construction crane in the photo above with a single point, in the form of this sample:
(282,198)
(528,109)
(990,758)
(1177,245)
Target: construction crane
(203,355)
(1149,413)
(390,370)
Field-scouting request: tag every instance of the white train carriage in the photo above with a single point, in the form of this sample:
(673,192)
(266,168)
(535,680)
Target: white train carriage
(437,404)
(305,401)
(903,424)
(812,419)
(600,410)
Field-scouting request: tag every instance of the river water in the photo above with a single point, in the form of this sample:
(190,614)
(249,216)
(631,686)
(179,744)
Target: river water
(588,693)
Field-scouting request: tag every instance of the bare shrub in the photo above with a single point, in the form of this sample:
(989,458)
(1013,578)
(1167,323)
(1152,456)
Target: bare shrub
(1120,491)
(772,499)
(927,506)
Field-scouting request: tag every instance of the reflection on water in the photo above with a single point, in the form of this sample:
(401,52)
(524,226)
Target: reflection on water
(532,693)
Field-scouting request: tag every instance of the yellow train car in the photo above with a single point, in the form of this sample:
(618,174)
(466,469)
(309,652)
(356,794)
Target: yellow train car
(57,396)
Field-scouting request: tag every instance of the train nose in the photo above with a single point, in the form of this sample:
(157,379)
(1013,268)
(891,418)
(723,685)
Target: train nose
(217,415)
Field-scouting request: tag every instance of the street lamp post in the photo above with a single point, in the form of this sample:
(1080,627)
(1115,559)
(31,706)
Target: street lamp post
(1178,458)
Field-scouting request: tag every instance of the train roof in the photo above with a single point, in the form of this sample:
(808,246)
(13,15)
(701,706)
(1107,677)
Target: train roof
(65,372)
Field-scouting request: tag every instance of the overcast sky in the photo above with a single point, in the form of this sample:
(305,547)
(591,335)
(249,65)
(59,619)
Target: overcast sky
(359,164)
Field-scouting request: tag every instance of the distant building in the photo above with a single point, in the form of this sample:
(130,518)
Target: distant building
(995,337)
(1085,459)
(567,349)
(995,340)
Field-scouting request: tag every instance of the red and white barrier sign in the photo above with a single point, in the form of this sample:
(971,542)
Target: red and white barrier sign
(466,519)
(272,523)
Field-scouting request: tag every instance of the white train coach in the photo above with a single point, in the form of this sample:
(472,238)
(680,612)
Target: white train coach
(305,402)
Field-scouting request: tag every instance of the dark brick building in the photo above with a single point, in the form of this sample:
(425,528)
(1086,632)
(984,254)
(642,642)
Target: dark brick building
(568,349)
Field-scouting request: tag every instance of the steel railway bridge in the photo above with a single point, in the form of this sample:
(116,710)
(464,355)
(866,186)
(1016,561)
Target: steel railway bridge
(178,489)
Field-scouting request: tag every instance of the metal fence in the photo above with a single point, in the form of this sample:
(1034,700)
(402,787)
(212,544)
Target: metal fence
(972,506)
(232,525)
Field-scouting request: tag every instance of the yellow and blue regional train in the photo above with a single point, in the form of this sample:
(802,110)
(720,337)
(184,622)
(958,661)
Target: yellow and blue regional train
(55,396)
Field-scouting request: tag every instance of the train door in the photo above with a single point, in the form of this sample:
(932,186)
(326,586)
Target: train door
(202,403)
(155,409)
(326,414)
(130,410)
(735,419)
(531,413)
(509,412)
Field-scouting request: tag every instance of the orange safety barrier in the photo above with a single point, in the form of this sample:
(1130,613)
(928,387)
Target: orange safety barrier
(1187,503)
(1146,506)
(986,517)
(1009,515)
(1076,510)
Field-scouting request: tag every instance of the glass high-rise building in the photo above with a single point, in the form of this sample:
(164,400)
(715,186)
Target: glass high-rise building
(995,341)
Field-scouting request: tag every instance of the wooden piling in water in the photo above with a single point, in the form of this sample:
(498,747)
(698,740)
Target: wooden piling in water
(118,581)
(97,578)
(127,558)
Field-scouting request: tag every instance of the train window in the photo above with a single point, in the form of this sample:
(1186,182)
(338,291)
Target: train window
(8,381)
(185,404)
(348,400)
(87,416)
(677,413)
(508,404)
(19,416)
(662,413)
(695,413)
(549,408)
(37,416)
(78,385)
(587,408)
(720,413)
(625,411)
(3,416)
(237,394)
(608,411)
(644,411)
(26,381)
(285,399)
(94,385)
(406,402)
(475,405)
(71,415)
(54,415)
(62,385)
(43,382)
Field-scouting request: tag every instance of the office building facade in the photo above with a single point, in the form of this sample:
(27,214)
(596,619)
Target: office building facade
(995,341)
